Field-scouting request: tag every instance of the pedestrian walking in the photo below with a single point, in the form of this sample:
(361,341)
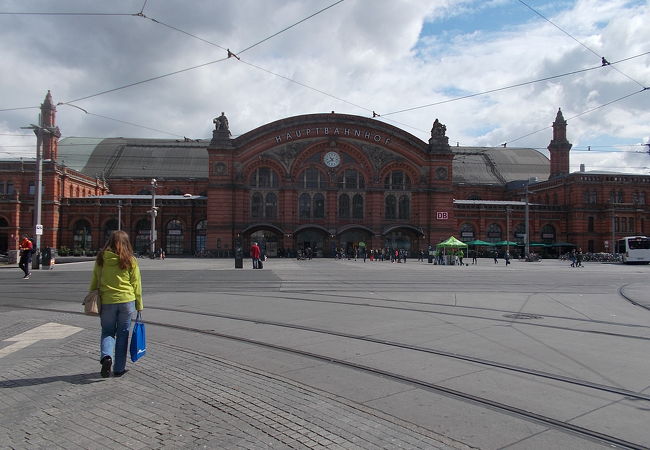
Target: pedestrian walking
(461,255)
(474,260)
(117,275)
(507,258)
(572,257)
(579,258)
(26,250)
(255,255)
(496,256)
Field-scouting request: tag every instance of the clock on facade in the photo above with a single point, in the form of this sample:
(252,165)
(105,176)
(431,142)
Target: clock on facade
(332,159)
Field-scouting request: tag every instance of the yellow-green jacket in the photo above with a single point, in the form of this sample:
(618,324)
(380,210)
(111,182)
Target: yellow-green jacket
(117,285)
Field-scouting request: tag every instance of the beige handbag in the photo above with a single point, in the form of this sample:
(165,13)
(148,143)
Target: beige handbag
(93,301)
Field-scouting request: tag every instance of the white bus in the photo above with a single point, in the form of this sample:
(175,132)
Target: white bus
(634,249)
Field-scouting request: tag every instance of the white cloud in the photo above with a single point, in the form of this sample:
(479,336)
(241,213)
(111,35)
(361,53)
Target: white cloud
(371,54)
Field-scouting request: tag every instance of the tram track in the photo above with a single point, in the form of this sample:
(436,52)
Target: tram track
(506,314)
(453,355)
(542,419)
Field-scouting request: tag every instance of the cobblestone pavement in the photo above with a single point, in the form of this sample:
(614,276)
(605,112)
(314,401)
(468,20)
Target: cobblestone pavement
(53,397)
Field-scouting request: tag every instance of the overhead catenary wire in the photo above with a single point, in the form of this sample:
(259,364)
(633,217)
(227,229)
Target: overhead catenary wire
(199,65)
(289,27)
(120,121)
(41,13)
(580,114)
(287,78)
(510,86)
(604,62)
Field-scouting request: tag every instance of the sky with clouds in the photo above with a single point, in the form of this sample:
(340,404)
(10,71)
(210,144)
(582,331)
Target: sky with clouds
(411,61)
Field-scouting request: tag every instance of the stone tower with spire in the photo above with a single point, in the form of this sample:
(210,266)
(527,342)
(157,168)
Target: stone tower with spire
(48,120)
(559,147)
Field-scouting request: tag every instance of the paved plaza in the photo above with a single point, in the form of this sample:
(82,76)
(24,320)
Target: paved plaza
(208,382)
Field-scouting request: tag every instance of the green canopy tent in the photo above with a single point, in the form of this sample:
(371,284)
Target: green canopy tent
(480,242)
(452,242)
(505,243)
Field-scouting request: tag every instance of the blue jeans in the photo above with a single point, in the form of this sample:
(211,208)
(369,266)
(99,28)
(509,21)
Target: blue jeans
(116,321)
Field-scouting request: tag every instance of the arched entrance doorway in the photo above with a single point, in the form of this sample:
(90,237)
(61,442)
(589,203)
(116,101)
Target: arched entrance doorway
(174,238)
(109,227)
(404,238)
(4,235)
(312,238)
(81,237)
(355,239)
(142,236)
(267,240)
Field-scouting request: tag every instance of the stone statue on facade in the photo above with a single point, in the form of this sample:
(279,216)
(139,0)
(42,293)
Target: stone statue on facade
(221,123)
(438,129)
(221,130)
(439,141)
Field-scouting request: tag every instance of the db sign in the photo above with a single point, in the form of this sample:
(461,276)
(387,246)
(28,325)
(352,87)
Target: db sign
(442,215)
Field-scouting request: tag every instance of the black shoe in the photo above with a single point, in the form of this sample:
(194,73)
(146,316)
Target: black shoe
(107,362)
(119,374)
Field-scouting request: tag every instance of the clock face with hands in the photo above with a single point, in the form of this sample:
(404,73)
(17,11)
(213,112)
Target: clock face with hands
(332,159)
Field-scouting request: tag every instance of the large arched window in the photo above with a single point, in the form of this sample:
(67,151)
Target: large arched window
(304,206)
(467,232)
(548,233)
(174,238)
(404,207)
(494,233)
(344,206)
(351,179)
(357,206)
(312,179)
(256,205)
(390,208)
(319,206)
(109,227)
(263,177)
(201,230)
(271,206)
(142,233)
(397,181)
(519,232)
(81,235)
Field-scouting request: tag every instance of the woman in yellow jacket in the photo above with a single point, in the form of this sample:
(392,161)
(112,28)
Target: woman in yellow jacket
(117,274)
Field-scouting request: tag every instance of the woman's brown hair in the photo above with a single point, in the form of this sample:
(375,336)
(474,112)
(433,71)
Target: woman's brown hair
(118,243)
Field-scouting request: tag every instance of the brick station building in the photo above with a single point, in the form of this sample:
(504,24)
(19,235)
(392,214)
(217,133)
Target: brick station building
(325,181)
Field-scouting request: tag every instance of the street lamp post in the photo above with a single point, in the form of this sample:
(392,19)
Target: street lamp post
(38,200)
(119,214)
(527,226)
(507,229)
(154,213)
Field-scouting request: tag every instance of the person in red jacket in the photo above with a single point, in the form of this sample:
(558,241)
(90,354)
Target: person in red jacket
(26,248)
(255,255)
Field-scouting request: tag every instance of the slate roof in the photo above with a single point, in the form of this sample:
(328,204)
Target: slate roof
(169,158)
(498,165)
(135,158)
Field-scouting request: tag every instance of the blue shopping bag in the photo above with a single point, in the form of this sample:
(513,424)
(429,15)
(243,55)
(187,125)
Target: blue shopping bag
(138,339)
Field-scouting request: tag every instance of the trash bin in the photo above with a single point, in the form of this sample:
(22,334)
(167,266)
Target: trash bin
(239,258)
(48,257)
